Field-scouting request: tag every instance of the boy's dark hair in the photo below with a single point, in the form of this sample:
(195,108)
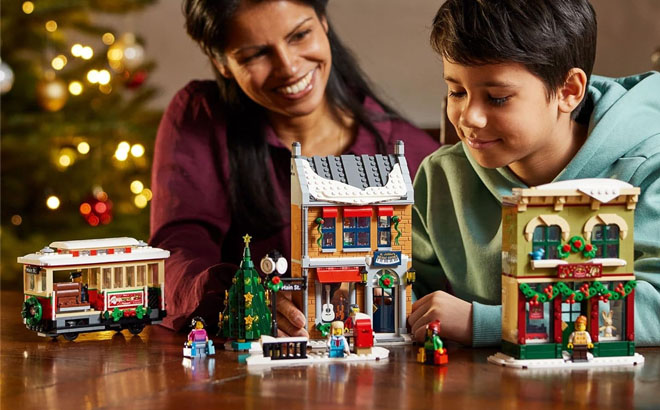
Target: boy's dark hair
(548,37)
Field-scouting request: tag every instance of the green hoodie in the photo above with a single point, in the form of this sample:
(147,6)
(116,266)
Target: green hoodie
(457,236)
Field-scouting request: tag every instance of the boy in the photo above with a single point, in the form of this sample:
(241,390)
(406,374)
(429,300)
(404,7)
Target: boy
(528,113)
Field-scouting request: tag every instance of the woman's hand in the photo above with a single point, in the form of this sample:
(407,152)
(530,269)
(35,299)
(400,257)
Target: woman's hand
(290,320)
(455,317)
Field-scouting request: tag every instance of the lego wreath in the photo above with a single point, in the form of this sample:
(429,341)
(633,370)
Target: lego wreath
(577,244)
(386,281)
(275,284)
(32,311)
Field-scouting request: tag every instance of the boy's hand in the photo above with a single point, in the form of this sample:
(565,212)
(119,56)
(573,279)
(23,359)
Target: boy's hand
(290,320)
(455,317)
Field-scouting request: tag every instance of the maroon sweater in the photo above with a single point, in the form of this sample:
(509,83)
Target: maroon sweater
(190,212)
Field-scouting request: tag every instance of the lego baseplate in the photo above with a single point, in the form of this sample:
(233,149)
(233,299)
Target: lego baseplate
(502,359)
(257,358)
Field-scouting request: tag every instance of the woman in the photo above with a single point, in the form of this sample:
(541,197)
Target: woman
(222,156)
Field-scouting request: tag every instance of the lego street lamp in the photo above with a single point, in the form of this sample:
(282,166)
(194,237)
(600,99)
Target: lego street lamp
(273,262)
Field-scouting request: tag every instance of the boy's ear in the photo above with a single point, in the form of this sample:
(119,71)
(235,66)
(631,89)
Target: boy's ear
(222,68)
(572,92)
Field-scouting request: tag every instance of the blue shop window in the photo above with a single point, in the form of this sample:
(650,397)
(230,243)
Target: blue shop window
(329,233)
(357,232)
(384,231)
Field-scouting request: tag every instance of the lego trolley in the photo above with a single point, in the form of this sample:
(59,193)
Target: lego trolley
(73,287)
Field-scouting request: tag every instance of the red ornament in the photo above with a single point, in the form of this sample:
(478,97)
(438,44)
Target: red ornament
(387,282)
(136,79)
(97,210)
(588,247)
(566,248)
(275,280)
(578,244)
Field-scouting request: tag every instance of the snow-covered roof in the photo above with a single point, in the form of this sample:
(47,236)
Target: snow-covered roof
(324,189)
(351,179)
(94,252)
(602,189)
(123,242)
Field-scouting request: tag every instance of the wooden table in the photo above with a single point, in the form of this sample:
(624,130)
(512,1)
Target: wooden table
(148,371)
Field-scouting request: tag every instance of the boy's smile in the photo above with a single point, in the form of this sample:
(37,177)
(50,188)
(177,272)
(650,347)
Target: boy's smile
(503,114)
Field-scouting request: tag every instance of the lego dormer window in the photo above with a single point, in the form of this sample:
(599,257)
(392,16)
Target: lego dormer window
(606,240)
(328,229)
(357,232)
(547,238)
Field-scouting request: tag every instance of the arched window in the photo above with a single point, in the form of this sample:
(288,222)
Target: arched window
(606,239)
(547,238)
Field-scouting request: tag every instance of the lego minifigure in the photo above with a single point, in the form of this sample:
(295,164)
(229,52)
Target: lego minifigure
(580,340)
(198,343)
(433,351)
(349,323)
(337,344)
(76,277)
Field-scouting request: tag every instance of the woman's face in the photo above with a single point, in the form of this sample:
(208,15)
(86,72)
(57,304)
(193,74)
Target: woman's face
(279,54)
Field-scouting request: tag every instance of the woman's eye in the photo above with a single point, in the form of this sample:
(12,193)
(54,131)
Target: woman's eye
(300,35)
(252,57)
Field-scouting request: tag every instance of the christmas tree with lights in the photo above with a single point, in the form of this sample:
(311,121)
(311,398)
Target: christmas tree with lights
(246,315)
(77,135)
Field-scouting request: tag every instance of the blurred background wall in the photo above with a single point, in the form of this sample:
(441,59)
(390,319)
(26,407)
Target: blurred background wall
(390,39)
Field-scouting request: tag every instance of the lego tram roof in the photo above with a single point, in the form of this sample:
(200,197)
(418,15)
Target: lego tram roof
(123,242)
(93,252)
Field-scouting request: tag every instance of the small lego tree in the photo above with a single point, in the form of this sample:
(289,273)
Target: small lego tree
(246,315)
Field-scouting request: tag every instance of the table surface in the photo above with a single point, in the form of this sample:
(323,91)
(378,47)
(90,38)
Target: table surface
(119,370)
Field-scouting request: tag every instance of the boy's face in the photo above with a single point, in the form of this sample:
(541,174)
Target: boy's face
(501,112)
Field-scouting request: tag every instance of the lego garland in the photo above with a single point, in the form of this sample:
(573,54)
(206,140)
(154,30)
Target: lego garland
(319,221)
(386,281)
(396,219)
(571,296)
(116,314)
(577,244)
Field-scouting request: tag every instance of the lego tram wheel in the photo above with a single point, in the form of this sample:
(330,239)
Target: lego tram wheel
(136,329)
(70,336)
(32,311)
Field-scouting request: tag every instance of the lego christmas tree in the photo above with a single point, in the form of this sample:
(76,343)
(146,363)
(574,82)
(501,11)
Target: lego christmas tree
(246,315)
(77,132)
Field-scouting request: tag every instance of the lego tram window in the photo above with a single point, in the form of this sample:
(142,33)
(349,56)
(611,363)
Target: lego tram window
(94,277)
(141,273)
(107,280)
(130,276)
(119,280)
(153,274)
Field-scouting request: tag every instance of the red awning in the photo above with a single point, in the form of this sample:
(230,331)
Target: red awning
(330,212)
(357,211)
(385,210)
(337,275)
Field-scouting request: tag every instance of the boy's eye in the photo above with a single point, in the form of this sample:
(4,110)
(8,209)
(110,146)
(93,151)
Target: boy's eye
(498,100)
(456,94)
